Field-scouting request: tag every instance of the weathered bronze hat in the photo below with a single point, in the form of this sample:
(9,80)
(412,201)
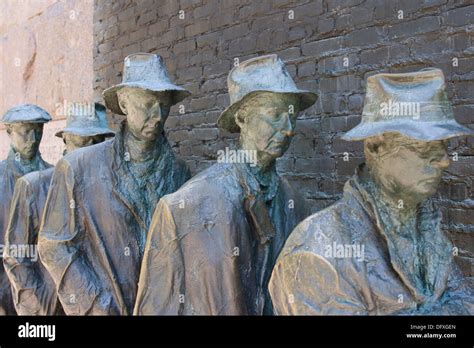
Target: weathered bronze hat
(27,113)
(146,71)
(83,121)
(261,74)
(413,104)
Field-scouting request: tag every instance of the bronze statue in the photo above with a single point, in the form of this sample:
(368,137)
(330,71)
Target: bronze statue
(25,128)
(34,292)
(101,198)
(380,249)
(212,244)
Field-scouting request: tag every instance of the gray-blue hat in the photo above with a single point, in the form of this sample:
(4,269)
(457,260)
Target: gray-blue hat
(148,72)
(414,105)
(255,76)
(26,113)
(83,121)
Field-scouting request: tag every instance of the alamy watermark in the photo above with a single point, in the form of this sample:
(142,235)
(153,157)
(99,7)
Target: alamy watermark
(393,109)
(67,108)
(345,251)
(28,330)
(237,156)
(22,251)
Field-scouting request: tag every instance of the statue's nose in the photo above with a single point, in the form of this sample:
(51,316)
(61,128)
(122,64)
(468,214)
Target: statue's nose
(441,162)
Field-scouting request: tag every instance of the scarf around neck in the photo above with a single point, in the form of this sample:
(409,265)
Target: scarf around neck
(421,254)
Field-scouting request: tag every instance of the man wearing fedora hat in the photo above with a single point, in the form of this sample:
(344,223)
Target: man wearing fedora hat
(380,249)
(99,206)
(212,244)
(34,292)
(25,129)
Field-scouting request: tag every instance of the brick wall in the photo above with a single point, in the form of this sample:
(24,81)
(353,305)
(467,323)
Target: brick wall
(330,46)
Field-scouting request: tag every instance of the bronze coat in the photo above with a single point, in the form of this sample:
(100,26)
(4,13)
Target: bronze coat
(34,292)
(207,254)
(307,281)
(10,171)
(92,232)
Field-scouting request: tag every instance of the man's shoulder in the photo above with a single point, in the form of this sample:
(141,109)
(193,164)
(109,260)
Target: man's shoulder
(318,230)
(6,173)
(214,183)
(83,158)
(38,176)
(3,165)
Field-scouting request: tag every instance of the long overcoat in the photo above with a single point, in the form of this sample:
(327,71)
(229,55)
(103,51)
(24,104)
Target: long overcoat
(10,171)
(95,222)
(212,245)
(323,269)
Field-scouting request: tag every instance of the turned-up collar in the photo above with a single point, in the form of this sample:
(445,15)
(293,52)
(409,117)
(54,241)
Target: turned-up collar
(21,167)
(156,183)
(267,190)
(436,249)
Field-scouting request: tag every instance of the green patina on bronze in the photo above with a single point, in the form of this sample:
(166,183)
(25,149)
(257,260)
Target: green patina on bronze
(25,129)
(33,289)
(212,244)
(408,264)
(102,197)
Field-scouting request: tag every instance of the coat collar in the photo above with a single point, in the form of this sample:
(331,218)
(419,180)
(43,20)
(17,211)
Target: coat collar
(254,203)
(142,196)
(435,251)
(20,167)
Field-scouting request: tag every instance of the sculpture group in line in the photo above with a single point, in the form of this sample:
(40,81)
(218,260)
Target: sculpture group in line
(121,227)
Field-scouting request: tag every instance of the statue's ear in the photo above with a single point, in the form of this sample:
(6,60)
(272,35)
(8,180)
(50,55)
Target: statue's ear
(122,101)
(239,118)
(374,144)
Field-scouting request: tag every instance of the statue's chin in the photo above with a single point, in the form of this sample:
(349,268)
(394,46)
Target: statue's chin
(427,193)
(28,155)
(277,151)
(428,187)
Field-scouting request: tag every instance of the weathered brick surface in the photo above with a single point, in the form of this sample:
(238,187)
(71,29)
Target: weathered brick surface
(330,46)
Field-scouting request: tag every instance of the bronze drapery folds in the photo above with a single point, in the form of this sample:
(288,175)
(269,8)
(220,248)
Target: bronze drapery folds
(25,129)
(101,198)
(33,289)
(212,244)
(380,249)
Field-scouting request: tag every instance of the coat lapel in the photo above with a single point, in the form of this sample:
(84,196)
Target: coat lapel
(162,181)
(125,188)
(255,206)
(18,169)
(435,255)
(264,231)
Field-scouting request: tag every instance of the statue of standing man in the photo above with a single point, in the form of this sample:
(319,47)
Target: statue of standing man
(25,129)
(99,207)
(380,249)
(212,244)
(33,289)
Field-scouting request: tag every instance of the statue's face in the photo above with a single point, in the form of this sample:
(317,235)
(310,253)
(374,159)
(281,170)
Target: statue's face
(74,141)
(409,168)
(267,123)
(146,112)
(25,138)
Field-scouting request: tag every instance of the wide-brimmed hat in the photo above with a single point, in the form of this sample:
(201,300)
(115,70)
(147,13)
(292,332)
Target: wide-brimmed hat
(414,105)
(84,121)
(27,113)
(148,72)
(258,75)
